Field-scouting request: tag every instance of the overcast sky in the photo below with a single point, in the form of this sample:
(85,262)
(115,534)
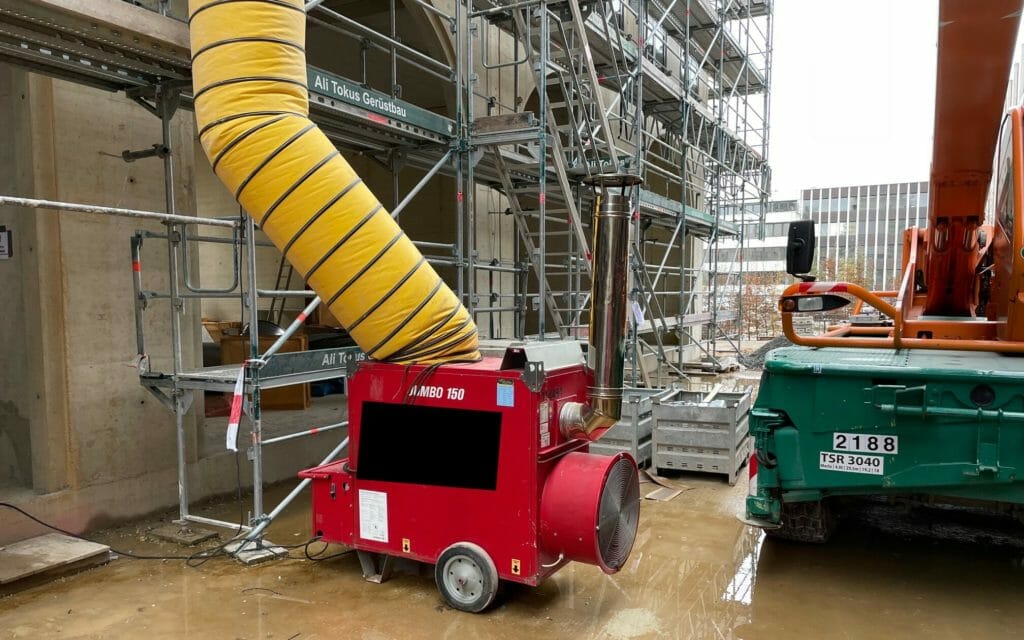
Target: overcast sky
(853,92)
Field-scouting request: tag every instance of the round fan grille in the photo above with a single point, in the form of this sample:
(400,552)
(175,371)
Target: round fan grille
(619,514)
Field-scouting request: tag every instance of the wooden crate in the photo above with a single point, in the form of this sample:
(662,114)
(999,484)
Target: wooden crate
(235,349)
(322,317)
(218,329)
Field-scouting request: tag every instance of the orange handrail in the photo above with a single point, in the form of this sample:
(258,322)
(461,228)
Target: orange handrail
(885,337)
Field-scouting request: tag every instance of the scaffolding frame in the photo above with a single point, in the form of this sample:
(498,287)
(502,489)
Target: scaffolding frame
(674,90)
(685,85)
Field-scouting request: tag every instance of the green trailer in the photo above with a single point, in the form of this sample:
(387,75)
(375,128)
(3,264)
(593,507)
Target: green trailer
(833,423)
(916,395)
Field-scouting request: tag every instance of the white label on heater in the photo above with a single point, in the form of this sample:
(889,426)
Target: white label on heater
(545,422)
(506,393)
(373,515)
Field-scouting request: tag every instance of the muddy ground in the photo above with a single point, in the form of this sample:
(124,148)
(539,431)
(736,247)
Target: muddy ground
(695,572)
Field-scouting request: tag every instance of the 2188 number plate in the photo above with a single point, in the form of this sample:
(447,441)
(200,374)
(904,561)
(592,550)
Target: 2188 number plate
(864,443)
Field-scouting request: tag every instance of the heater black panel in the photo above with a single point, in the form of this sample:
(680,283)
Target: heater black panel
(429,445)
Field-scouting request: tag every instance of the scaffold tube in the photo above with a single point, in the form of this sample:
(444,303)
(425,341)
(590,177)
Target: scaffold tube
(251,105)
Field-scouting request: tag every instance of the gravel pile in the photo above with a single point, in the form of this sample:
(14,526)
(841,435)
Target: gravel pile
(755,360)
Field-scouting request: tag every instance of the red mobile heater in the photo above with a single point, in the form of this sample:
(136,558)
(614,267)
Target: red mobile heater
(482,469)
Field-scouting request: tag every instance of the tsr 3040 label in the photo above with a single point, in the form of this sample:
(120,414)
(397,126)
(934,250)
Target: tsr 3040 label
(851,463)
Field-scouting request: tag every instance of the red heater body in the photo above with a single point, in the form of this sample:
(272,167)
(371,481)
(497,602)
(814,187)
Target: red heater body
(470,457)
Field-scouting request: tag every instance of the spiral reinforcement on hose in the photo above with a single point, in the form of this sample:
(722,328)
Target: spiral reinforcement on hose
(251,105)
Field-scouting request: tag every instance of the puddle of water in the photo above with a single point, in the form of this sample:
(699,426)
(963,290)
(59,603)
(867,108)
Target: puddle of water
(632,623)
(695,573)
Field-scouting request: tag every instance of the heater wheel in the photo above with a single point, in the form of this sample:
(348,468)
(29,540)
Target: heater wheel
(466,577)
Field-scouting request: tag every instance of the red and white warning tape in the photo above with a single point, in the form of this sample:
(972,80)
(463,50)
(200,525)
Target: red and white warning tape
(822,287)
(231,438)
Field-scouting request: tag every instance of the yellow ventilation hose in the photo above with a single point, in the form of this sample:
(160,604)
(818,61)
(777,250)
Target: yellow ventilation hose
(251,104)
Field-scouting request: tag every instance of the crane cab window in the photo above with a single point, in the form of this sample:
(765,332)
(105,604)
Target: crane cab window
(1004,195)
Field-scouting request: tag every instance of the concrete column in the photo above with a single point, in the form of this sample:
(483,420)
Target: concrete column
(33,388)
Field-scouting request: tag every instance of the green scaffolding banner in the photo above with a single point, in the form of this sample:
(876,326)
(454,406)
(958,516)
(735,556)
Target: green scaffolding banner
(375,102)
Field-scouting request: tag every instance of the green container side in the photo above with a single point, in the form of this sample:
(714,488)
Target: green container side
(948,445)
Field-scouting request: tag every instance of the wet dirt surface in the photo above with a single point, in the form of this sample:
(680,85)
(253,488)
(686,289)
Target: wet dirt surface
(695,572)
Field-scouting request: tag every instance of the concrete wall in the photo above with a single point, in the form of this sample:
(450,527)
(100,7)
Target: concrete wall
(106,404)
(82,443)
(90,423)
(216,269)
(16,386)
(495,232)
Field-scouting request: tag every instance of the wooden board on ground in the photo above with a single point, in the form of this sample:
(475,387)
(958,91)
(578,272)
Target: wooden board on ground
(663,494)
(648,475)
(36,560)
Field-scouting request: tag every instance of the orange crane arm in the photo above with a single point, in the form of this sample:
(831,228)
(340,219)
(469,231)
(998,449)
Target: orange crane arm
(975,53)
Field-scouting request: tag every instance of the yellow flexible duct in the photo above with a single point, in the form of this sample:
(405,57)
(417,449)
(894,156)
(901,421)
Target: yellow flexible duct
(251,104)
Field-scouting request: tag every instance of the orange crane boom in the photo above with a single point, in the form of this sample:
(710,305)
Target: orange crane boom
(961,277)
(975,53)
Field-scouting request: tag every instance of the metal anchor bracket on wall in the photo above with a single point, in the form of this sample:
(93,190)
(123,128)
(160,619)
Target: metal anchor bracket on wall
(157,150)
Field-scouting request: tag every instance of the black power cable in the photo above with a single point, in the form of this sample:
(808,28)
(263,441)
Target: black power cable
(203,556)
(198,558)
(319,557)
(126,554)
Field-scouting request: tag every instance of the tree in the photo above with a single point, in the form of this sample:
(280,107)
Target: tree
(851,269)
(855,270)
(758,299)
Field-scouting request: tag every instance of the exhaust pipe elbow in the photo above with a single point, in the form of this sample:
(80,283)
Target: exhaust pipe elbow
(589,420)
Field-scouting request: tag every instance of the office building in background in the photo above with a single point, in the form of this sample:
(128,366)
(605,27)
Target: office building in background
(859,231)
(762,252)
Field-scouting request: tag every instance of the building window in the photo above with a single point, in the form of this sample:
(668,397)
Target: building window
(656,46)
(619,13)
(1004,203)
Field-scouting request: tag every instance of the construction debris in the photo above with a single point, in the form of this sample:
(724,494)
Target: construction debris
(756,359)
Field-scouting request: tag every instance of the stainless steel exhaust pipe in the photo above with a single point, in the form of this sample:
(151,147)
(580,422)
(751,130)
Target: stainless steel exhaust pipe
(607,351)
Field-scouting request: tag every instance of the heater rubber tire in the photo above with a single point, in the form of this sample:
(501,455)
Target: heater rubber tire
(466,577)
